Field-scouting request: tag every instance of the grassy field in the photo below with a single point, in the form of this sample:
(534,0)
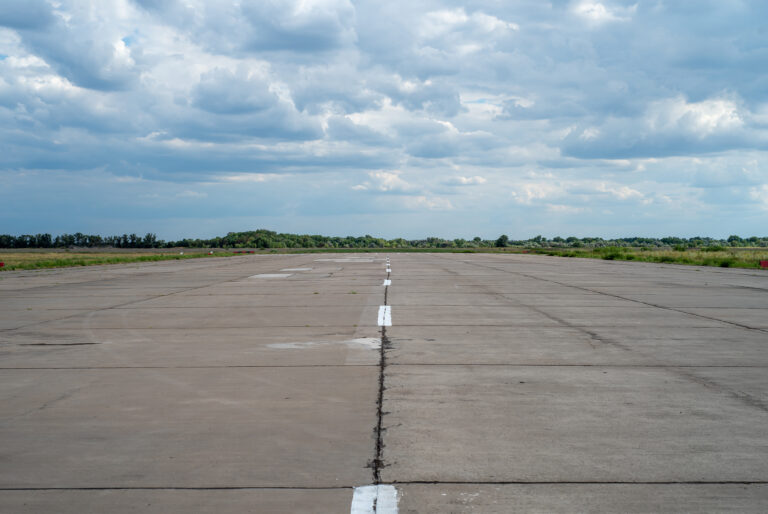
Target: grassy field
(41,259)
(28,259)
(722,257)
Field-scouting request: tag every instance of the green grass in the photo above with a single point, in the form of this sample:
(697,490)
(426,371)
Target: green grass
(32,259)
(720,256)
(43,259)
(713,256)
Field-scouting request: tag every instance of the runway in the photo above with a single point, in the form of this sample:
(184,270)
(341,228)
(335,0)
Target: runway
(403,382)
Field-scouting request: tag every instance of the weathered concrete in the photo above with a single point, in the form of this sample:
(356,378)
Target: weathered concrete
(189,386)
(553,385)
(569,498)
(146,501)
(512,383)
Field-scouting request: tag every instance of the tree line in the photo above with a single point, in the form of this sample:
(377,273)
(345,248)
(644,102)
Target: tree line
(268,239)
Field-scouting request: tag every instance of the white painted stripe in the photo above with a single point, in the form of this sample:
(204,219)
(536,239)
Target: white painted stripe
(387,283)
(385,316)
(389,270)
(383,496)
(272,275)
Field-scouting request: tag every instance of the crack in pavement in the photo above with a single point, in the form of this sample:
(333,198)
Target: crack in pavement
(118,306)
(378,461)
(741,396)
(595,291)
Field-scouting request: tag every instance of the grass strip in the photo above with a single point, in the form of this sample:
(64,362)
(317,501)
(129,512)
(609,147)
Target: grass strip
(720,257)
(36,261)
(748,258)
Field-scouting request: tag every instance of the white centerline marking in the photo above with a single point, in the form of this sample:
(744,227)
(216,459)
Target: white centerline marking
(272,275)
(387,283)
(383,496)
(385,316)
(389,270)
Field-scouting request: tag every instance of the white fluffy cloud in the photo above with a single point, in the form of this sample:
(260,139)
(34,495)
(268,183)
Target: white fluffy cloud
(599,12)
(481,111)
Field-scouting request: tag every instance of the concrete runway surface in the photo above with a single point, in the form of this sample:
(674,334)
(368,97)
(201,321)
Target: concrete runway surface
(506,383)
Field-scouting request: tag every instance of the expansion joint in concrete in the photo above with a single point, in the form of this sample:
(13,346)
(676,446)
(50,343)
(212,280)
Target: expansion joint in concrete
(378,460)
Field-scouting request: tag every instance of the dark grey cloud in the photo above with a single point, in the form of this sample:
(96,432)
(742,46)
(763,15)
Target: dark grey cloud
(85,51)
(26,14)
(302,27)
(221,91)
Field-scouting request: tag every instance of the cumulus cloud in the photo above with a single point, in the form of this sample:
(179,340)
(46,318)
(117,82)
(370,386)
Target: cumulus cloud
(760,195)
(715,115)
(431,203)
(221,91)
(670,126)
(620,192)
(614,104)
(77,42)
(299,25)
(387,181)
(599,13)
(466,181)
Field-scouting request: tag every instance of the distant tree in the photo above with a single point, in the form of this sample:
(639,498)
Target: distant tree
(43,241)
(149,241)
(502,241)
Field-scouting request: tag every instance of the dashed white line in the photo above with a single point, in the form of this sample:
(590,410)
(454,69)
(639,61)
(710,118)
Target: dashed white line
(272,275)
(385,316)
(389,270)
(387,283)
(378,499)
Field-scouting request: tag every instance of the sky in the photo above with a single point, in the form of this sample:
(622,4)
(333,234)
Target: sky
(192,118)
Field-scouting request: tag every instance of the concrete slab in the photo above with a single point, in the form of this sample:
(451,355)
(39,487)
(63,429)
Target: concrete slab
(198,347)
(199,428)
(469,315)
(513,382)
(676,299)
(689,347)
(496,345)
(570,424)
(568,498)
(214,317)
(630,316)
(17,318)
(448,297)
(183,388)
(755,317)
(177,501)
(308,298)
